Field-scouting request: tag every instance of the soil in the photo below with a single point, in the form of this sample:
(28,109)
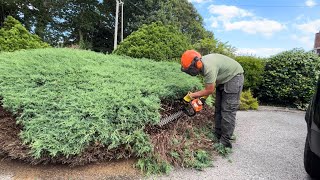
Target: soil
(114,170)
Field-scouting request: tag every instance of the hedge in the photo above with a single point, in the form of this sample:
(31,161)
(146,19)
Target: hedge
(253,70)
(290,77)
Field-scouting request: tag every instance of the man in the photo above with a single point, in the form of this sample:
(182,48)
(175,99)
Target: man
(224,75)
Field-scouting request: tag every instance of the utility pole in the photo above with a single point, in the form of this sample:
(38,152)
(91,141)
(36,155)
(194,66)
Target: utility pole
(116,27)
(121,2)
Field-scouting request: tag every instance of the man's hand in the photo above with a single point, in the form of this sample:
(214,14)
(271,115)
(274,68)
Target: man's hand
(188,98)
(205,92)
(203,99)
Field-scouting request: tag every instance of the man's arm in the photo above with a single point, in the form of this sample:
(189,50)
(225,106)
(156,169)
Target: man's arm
(209,89)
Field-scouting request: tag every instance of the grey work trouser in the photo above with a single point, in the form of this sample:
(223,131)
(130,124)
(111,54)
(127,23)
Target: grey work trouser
(226,106)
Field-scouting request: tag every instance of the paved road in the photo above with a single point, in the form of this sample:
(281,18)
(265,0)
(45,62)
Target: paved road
(269,145)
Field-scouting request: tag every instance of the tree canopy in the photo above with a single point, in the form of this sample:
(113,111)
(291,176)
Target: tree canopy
(91,23)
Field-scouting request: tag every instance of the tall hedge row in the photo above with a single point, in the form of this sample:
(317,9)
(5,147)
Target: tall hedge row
(253,71)
(13,36)
(290,78)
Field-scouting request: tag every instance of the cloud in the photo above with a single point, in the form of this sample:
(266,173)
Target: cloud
(309,27)
(214,23)
(228,12)
(263,26)
(234,18)
(260,52)
(310,3)
(306,33)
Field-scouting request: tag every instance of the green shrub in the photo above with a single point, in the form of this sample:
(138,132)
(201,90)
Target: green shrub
(253,70)
(155,41)
(290,78)
(211,45)
(13,36)
(202,159)
(247,101)
(151,166)
(67,99)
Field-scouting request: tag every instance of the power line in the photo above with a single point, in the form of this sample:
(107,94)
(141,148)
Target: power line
(137,7)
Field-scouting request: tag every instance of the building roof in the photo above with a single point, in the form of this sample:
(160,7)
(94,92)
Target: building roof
(317,41)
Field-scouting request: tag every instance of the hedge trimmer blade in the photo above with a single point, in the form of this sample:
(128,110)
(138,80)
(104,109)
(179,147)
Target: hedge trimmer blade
(170,118)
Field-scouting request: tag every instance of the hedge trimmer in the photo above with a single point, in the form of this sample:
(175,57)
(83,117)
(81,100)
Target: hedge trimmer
(189,108)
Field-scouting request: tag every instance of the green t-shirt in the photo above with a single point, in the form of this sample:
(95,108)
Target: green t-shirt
(219,69)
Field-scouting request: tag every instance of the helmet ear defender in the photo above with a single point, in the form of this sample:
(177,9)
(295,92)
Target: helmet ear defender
(197,63)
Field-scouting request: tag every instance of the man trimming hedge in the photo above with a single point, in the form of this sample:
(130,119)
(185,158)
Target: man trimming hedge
(226,76)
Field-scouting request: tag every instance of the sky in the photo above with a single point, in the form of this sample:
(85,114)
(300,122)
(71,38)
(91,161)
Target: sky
(262,27)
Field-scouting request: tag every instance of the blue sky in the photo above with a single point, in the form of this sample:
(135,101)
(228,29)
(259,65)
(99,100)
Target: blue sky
(262,27)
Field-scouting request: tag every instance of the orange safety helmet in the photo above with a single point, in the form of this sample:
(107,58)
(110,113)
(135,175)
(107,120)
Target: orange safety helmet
(189,57)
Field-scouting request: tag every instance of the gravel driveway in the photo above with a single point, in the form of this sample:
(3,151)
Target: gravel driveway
(269,145)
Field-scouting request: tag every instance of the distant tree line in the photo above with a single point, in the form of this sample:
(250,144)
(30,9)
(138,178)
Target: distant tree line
(90,23)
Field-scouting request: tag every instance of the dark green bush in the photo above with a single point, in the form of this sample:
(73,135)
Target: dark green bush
(155,41)
(13,36)
(253,70)
(290,78)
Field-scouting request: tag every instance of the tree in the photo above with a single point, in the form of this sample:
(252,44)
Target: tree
(7,8)
(38,16)
(211,45)
(180,13)
(90,23)
(79,18)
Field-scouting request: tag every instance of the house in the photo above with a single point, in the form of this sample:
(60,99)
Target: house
(317,43)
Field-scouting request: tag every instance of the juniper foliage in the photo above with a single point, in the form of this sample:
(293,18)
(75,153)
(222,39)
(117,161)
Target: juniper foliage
(66,99)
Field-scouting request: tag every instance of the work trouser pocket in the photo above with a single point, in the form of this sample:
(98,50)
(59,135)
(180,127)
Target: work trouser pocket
(233,85)
(232,90)
(233,102)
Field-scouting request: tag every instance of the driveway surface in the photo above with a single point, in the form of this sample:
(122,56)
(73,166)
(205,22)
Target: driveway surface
(269,145)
